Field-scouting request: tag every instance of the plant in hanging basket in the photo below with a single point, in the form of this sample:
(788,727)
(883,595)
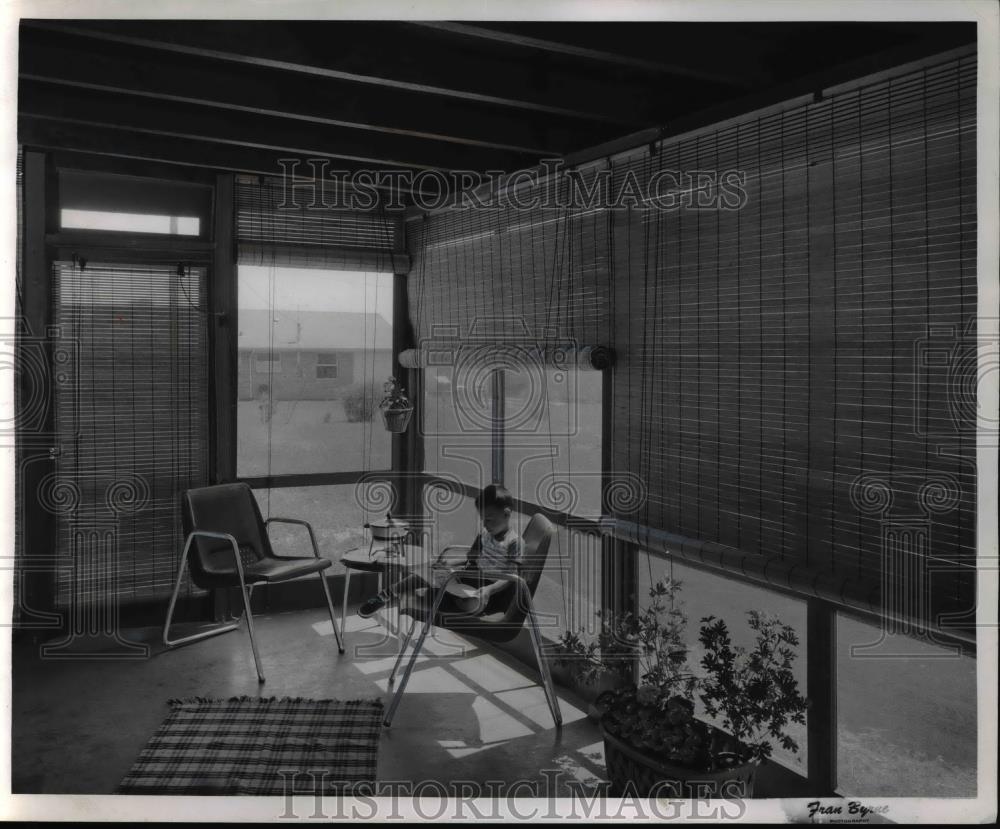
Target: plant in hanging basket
(654,741)
(395,406)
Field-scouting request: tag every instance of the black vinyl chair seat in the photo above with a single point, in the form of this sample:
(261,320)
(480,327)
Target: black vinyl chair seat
(282,569)
(218,568)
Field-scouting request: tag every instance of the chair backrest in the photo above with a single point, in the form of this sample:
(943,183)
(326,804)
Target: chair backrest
(537,538)
(224,508)
(512,603)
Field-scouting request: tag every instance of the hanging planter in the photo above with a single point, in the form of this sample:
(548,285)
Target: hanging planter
(396,407)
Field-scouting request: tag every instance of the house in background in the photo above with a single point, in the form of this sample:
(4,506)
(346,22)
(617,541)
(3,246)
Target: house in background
(311,355)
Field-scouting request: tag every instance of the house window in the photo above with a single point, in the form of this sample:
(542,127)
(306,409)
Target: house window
(326,366)
(267,361)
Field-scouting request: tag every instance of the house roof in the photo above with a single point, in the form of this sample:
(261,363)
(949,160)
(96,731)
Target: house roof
(313,330)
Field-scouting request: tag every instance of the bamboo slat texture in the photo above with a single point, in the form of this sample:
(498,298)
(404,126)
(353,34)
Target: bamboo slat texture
(794,378)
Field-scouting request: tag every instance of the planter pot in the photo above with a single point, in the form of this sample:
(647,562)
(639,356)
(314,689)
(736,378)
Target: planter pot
(634,772)
(396,420)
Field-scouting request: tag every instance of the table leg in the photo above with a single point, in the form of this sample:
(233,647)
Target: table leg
(387,613)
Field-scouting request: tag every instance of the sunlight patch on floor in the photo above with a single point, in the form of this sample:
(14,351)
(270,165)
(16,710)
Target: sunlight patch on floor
(430,680)
(531,703)
(490,673)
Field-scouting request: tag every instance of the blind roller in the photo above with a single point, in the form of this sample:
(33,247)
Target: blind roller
(132,426)
(794,379)
(300,227)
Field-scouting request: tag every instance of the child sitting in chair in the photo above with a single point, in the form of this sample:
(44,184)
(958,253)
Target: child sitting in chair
(498,547)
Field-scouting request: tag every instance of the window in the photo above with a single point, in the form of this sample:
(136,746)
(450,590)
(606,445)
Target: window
(568,595)
(551,459)
(290,419)
(906,712)
(456,427)
(708,594)
(552,441)
(129,222)
(326,366)
(336,513)
(267,362)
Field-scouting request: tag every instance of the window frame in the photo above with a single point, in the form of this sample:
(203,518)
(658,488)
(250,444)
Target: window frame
(304,479)
(333,363)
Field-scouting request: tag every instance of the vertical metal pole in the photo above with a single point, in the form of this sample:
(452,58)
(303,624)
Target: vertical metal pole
(821,689)
(498,425)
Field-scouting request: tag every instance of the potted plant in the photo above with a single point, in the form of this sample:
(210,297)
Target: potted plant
(655,742)
(395,406)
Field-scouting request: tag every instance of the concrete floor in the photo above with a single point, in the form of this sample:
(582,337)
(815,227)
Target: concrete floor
(469,714)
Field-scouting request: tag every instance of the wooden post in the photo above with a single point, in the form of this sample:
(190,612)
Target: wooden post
(498,426)
(35,437)
(222,336)
(407,447)
(821,689)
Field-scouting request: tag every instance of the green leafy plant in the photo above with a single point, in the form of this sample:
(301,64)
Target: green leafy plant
(754,692)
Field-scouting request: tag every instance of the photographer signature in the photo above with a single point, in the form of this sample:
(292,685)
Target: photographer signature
(851,811)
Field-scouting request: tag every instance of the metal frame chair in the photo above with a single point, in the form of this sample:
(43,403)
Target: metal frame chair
(237,521)
(495,624)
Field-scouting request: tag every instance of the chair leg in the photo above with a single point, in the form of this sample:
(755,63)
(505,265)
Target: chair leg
(402,650)
(333,615)
(253,641)
(543,668)
(171,643)
(343,611)
(398,696)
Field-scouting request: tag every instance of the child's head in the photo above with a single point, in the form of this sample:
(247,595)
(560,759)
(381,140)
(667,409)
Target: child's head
(495,504)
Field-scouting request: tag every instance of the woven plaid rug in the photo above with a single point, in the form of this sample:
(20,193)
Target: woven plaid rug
(253,746)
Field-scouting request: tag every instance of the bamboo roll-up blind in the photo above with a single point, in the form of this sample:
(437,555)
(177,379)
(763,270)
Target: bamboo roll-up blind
(303,227)
(132,425)
(510,274)
(794,379)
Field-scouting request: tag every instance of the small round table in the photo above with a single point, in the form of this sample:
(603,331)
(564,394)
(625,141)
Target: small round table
(392,566)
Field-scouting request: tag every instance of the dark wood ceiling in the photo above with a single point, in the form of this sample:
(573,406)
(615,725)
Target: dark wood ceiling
(450,96)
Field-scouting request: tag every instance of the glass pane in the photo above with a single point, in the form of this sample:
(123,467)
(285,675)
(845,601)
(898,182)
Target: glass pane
(457,432)
(706,594)
(129,222)
(336,513)
(553,439)
(315,348)
(451,519)
(569,591)
(907,715)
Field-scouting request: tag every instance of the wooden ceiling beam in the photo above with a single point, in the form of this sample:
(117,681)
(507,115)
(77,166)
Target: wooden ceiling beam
(171,77)
(183,120)
(139,149)
(741,80)
(343,50)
